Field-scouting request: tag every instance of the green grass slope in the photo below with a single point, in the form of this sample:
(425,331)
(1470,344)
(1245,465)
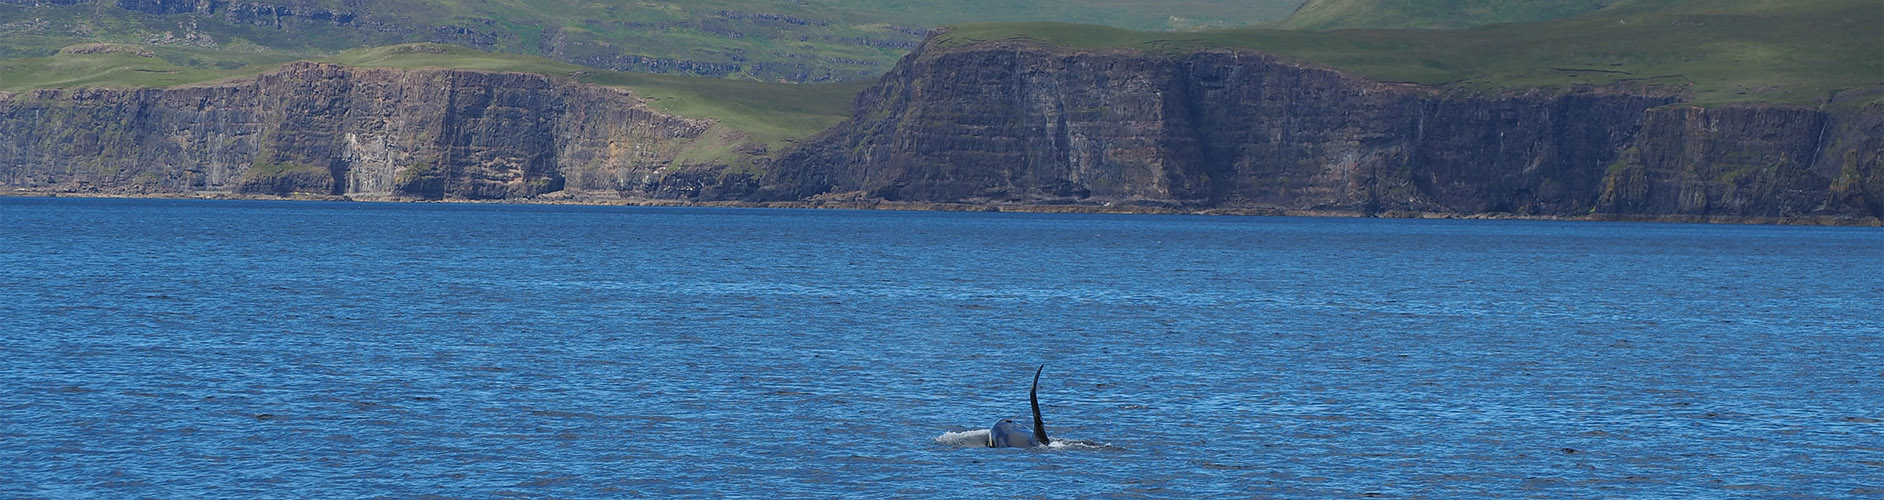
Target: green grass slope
(768,114)
(1169,15)
(749,114)
(1723,51)
(790,40)
(1441,14)
(108,65)
(1796,51)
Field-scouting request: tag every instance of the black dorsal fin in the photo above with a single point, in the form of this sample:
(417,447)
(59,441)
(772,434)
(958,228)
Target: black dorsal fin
(1033,397)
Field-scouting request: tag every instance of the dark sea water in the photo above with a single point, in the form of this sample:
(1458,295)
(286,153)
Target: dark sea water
(188,349)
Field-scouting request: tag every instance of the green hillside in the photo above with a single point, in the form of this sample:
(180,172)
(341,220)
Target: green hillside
(109,65)
(1798,51)
(768,40)
(748,113)
(771,114)
(1722,51)
(1443,14)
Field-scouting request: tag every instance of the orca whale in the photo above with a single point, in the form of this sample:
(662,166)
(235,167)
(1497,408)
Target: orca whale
(1007,434)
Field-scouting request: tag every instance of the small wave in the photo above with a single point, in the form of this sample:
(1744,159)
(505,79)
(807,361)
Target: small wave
(964,439)
(1081,445)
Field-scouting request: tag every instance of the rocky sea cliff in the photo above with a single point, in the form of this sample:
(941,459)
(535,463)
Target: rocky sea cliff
(1006,125)
(369,133)
(1020,123)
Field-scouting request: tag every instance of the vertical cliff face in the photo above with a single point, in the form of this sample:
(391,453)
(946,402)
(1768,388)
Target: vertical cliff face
(1027,124)
(1763,161)
(1851,152)
(1004,123)
(335,130)
(1020,123)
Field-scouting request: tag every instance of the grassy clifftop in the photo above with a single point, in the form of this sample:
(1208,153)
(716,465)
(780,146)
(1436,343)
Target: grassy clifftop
(748,113)
(769,40)
(1337,14)
(108,65)
(770,114)
(1723,51)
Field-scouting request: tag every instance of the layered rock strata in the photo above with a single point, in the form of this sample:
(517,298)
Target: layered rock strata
(334,130)
(1005,123)
(1019,123)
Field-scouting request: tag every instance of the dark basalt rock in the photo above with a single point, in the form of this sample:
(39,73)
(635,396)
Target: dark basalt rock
(1014,122)
(1000,123)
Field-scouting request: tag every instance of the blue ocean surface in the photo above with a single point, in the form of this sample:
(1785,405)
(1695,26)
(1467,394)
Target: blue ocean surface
(247,349)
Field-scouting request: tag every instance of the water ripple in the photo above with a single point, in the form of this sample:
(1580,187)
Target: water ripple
(249,349)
